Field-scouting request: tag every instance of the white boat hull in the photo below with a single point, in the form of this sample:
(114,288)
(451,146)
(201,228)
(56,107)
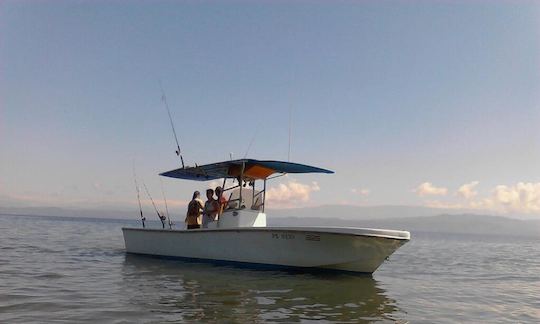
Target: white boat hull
(347,249)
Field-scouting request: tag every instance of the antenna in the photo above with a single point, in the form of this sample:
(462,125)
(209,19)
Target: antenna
(160,216)
(164,99)
(165,200)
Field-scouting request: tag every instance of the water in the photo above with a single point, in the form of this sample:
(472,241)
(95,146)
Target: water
(73,270)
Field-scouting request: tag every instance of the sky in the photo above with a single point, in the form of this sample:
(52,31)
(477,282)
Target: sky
(422,103)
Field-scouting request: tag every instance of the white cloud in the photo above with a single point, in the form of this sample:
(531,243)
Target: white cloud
(291,194)
(467,190)
(521,197)
(54,199)
(428,189)
(483,204)
(443,205)
(361,192)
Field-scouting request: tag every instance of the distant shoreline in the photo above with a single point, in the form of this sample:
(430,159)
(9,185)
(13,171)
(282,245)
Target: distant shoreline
(438,224)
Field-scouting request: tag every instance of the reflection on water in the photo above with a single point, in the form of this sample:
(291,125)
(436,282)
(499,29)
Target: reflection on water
(178,290)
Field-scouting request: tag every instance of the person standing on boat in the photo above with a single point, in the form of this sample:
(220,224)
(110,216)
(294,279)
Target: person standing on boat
(194,211)
(211,208)
(222,201)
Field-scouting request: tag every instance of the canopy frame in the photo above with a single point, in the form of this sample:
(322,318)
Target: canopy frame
(246,172)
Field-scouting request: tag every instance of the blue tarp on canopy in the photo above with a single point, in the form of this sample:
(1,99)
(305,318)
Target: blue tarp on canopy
(254,169)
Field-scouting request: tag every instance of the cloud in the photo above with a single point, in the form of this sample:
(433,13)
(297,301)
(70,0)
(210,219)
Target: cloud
(59,200)
(467,190)
(361,192)
(521,197)
(483,204)
(428,189)
(444,205)
(291,194)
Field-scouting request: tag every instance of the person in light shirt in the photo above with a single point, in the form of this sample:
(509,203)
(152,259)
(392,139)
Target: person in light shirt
(211,208)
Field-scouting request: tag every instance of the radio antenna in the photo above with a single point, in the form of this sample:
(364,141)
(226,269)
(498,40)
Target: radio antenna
(164,99)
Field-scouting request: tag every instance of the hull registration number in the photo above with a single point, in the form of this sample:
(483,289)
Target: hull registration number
(283,236)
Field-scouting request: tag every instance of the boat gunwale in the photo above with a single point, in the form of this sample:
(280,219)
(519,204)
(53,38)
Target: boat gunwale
(283,229)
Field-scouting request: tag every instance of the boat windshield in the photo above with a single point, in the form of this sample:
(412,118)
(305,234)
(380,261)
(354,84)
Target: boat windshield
(252,199)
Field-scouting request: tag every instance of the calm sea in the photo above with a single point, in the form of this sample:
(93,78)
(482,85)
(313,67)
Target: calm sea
(73,270)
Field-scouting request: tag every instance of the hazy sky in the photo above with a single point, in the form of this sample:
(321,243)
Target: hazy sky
(416,103)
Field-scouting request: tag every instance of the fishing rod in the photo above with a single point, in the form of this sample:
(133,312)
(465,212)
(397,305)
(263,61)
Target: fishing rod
(250,142)
(257,129)
(166,207)
(290,118)
(138,197)
(160,215)
(164,99)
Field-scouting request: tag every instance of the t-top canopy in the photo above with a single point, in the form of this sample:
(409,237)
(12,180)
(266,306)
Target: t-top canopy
(253,170)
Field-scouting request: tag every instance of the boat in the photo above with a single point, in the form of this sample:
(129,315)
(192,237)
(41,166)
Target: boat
(241,235)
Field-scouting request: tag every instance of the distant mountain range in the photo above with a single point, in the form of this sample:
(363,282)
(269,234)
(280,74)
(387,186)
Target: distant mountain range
(414,219)
(326,211)
(68,212)
(410,218)
(457,224)
(363,212)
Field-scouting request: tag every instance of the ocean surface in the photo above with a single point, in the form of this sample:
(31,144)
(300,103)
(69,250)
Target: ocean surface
(76,270)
